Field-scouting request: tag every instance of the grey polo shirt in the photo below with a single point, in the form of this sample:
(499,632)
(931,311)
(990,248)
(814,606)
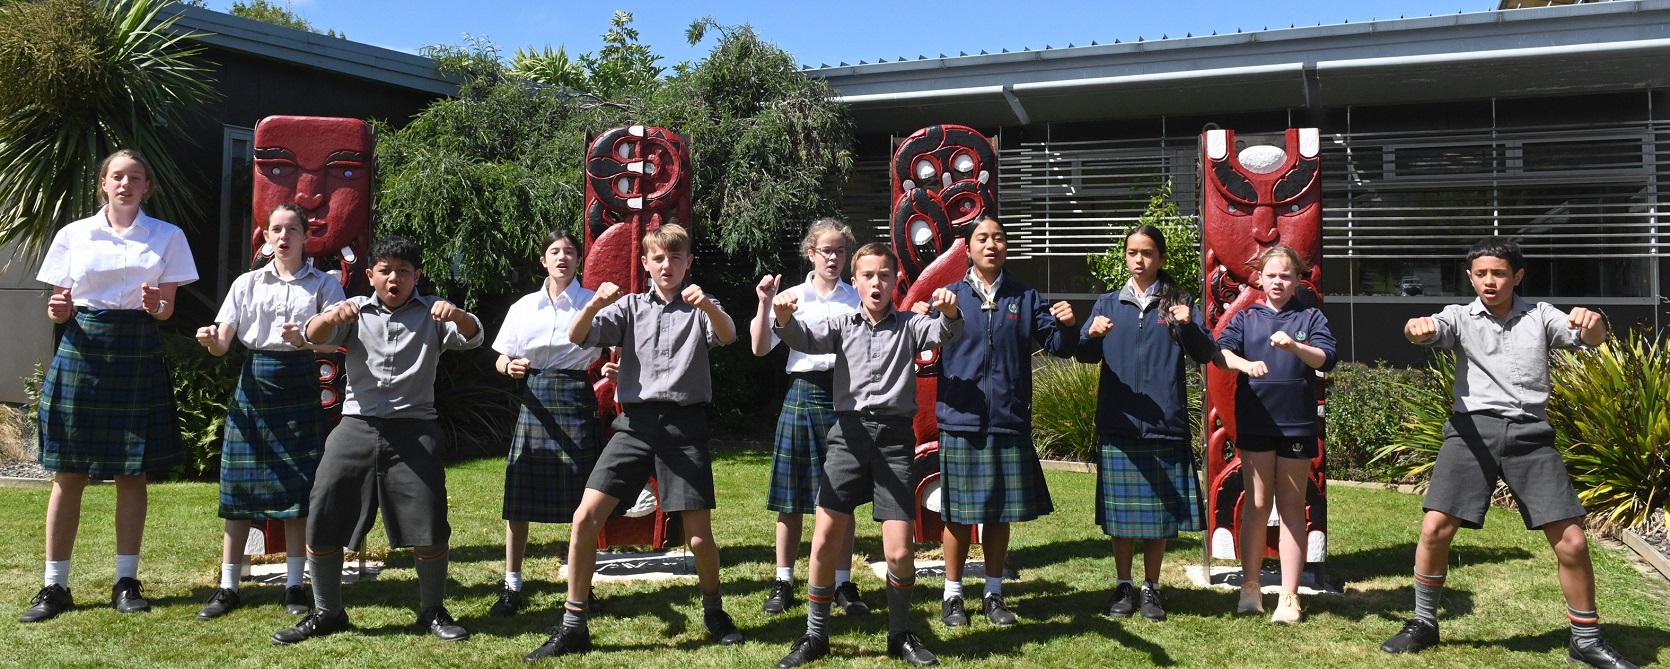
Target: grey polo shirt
(663,348)
(391,370)
(875,365)
(1502,368)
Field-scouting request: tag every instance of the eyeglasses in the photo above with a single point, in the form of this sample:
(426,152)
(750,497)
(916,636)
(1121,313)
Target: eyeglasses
(832,253)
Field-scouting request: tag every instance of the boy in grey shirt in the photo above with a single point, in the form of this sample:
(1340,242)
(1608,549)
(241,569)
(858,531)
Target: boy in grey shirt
(872,442)
(1499,430)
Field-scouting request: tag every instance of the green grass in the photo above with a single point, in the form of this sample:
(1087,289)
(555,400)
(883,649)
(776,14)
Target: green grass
(1502,607)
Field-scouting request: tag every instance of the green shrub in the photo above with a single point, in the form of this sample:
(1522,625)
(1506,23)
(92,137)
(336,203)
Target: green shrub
(1611,413)
(1064,396)
(1364,416)
(1426,398)
(475,405)
(1182,234)
(203,388)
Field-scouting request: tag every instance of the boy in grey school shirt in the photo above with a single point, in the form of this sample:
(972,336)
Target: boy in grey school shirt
(1499,429)
(872,442)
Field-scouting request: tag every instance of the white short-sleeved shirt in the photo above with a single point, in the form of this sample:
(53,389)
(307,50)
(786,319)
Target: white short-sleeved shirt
(813,307)
(261,302)
(536,328)
(104,270)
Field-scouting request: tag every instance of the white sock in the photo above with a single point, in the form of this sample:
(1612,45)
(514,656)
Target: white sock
(229,572)
(1123,581)
(953,589)
(294,567)
(57,573)
(787,574)
(127,566)
(843,576)
(513,580)
(1150,585)
(994,585)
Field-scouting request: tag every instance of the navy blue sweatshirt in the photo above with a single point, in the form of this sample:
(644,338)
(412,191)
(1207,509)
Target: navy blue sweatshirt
(985,380)
(1283,402)
(1143,392)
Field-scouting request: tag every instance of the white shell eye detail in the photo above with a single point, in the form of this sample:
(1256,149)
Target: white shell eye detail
(1295,208)
(347,173)
(276,171)
(1233,209)
(1262,159)
(920,233)
(924,170)
(963,163)
(623,185)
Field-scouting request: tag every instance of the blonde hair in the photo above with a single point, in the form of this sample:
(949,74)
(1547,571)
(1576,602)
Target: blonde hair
(670,237)
(824,226)
(104,169)
(875,249)
(1300,267)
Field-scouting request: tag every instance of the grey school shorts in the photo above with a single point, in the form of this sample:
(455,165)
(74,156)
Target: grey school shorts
(388,463)
(1480,448)
(868,460)
(664,439)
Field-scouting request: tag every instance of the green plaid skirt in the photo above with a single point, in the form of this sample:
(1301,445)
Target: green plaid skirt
(802,436)
(107,404)
(991,478)
(275,433)
(557,441)
(1147,489)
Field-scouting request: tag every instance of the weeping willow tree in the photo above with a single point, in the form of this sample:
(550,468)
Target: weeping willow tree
(78,80)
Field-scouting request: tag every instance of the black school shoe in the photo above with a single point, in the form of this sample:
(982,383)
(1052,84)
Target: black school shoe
(720,628)
(782,592)
(435,620)
(312,625)
(847,598)
(563,641)
(221,602)
(996,612)
(1153,604)
(907,647)
(1417,635)
(297,600)
(509,602)
(951,612)
(48,603)
(1124,601)
(126,596)
(1598,654)
(806,649)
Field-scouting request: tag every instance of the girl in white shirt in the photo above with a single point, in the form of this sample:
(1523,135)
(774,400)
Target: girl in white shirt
(808,409)
(275,426)
(557,435)
(107,405)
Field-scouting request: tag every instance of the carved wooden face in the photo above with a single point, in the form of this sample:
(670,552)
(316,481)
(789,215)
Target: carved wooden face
(1259,197)
(324,166)
(637,179)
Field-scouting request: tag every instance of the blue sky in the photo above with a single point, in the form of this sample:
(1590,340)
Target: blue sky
(829,32)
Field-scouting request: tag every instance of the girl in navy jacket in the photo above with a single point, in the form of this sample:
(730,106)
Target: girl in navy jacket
(1145,336)
(1275,344)
(988,465)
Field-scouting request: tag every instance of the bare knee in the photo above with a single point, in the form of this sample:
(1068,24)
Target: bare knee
(898,555)
(70,483)
(1439,529)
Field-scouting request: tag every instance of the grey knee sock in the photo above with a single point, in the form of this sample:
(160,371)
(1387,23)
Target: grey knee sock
(574,614)
(899,592)
(1428,590)
(327,580)
(1585,627)
(431,573)
(712,603)
(818,599)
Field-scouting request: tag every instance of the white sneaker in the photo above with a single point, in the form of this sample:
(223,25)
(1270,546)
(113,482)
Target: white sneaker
(1252,600)
(1287,610)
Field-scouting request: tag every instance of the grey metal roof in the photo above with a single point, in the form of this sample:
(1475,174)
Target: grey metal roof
(1621,45)
(322,52)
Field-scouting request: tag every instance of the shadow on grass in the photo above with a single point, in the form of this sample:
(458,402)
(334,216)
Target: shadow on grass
(1639,644)
(1070,612)
(1399,560)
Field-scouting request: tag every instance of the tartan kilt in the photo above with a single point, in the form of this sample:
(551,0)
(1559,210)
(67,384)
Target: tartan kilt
(107,403)
(1147,489)
(991,478)
(802,437)
(556,444)
(275,435)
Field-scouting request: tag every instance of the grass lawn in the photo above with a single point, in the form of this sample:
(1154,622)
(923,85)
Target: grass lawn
(1502,606)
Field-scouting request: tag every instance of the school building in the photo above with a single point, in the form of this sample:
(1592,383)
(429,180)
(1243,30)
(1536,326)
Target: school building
(259,70)
(1542,123)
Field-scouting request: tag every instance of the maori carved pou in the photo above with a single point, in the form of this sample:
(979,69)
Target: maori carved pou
(637,179)
(944,180)
(1257,195)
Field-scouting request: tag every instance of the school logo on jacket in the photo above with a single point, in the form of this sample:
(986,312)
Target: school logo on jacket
(1301,336)
(1014,311)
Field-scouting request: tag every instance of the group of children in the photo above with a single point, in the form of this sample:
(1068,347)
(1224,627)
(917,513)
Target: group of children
(844,437)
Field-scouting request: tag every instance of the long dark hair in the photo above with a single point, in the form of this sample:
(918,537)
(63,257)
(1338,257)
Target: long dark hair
(1170,294)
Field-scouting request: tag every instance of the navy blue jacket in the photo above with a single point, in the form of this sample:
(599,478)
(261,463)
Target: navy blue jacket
(985,380)
(1283,402)
(1142,393)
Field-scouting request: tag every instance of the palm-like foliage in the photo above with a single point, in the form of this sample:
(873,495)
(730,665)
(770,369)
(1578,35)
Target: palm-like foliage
(551,67)
(1064,409)
(1427,407)
(85,78)
(1611,409)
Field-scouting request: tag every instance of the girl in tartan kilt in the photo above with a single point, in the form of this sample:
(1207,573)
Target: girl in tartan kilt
(557,435)
(1145,336)
(808,410)
(988,466)
(107,404)
(275,427)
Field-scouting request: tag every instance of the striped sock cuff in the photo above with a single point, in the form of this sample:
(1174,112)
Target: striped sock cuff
(576,607)
(820,594)
(324,554)
(1582,617)
(1426,579)
(434,556)
(901,583)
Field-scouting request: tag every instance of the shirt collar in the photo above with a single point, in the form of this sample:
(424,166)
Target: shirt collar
(307,269)
(862,318)
(1130,293)
(1520,306)
(811,292)
(377,302)
(571,292)
(140,222)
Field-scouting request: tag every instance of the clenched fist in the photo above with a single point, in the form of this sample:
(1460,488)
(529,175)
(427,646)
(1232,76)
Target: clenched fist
(150,298)
(784,306)
(607,294)
(769,284)
(1283,341)
(1063,312)
(517,368)
(946,302)
(1180,313)
(694,297)
(446,312)
(344,313)
(59,307)
(1420,330)
(1099,327)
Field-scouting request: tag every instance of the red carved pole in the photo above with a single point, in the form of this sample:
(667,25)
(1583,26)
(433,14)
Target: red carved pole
(1255,198)
(944,180)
